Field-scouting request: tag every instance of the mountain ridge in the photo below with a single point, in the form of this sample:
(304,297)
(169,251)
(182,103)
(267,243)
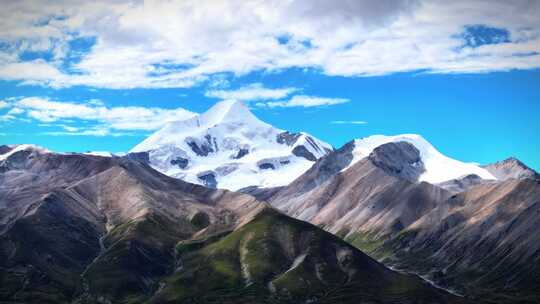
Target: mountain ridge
(99,229)
(438,231)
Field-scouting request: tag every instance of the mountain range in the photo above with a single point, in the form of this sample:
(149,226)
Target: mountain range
(478,240)
(89,229)
(225,208)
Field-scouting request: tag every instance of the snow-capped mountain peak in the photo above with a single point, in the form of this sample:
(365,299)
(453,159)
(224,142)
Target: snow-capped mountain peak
(227,116)
(438,167)
(229,147)
(229,111)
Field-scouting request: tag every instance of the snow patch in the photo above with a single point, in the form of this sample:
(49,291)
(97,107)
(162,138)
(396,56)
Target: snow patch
(99,153)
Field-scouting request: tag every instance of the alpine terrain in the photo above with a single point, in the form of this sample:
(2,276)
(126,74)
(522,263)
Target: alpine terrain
(468,228)
(228,147)
(270,152)
(79,228)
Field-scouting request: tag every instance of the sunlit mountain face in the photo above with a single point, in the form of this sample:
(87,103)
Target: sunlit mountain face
(269,152)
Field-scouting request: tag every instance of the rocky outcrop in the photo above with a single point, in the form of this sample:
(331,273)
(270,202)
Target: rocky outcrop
(142,157)
(4,149)
(400,159)
(262,194)
(273,163)
(325,168)
(208,178)
(511,168)
(302,151)
(241,153)
(202,147)
(464,183)
(181,162)
(287,138)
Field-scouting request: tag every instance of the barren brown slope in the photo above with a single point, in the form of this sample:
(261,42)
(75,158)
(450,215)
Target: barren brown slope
(483,241)
(67,216)
(27,175)
(110,230)
(365,198)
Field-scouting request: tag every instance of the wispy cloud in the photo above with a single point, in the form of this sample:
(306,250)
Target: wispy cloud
(305,101)
(261,96)
(252,92)
(348,122)
(3,104)
(98,119)
(98,131)
(126,46)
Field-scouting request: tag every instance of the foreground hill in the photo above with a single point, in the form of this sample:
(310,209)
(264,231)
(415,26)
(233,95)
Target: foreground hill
(276,259)
(89,229)
(107,226)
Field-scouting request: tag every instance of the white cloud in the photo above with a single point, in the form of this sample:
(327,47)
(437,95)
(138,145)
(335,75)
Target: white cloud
(107,118)
(252,92)
(99,131)
(306,101)
(348,122)
(15,111)
(3,104)
(70,128)
(7,117)
(182,43)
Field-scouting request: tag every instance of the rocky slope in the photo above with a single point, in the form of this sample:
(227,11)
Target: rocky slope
(374,195)
(89,229)
(511,168)
(481,242)
(87,225)
(228,147)
(476,237)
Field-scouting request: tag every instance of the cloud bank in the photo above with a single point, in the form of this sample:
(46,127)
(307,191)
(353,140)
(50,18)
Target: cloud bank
(91,118)
(159,44)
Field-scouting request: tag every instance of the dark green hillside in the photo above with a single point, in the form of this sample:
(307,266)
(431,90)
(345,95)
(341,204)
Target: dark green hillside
(277,259)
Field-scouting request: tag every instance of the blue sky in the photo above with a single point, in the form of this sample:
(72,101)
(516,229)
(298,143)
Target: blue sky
(103,76)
